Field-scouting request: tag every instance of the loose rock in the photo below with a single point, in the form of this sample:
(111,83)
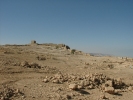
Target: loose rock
(109,90)
(73,86)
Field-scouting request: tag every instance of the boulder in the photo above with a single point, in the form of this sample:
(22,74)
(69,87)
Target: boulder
(45,80)
(109,83)
(73,86)
(130,88)
(34,65)
(25,63)
(84,83)
(56,81)
(41,58)
(110,90)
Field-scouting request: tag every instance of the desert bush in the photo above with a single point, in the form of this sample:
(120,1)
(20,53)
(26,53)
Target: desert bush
(72,51)
(56,46)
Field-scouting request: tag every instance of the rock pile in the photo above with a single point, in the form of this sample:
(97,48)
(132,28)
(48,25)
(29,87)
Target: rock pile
(40,58)
(30,65)
(8,93)
(90,81)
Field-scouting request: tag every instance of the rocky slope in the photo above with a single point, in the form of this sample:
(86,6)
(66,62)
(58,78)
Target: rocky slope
(55,72)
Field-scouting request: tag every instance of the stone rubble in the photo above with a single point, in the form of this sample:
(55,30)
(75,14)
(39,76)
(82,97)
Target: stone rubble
(91,81)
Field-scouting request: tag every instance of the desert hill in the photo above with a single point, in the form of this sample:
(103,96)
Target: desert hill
(56,72)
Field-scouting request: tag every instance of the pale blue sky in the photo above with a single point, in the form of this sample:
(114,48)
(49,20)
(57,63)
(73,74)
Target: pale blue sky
(96,26)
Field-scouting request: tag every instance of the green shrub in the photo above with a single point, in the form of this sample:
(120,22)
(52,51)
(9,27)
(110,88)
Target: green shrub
(57,47)
(72,51)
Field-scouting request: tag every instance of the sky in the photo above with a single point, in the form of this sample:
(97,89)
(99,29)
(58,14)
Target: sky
(92,26)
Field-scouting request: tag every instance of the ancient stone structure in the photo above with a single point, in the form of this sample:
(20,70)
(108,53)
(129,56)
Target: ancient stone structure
(33,42)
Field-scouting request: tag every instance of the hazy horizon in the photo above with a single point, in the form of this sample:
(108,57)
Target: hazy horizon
(93,26)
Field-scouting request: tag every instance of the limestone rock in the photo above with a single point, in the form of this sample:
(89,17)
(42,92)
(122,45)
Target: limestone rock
(25,63)
(73,86)
(45,80)
(80,87)
(130,88)
(109,90)
(56,81)
(109,83)
(84,83)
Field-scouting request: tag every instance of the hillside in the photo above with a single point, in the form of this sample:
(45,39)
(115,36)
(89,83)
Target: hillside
(55,72)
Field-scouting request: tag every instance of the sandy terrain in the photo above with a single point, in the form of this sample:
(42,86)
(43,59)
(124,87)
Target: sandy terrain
(40,72)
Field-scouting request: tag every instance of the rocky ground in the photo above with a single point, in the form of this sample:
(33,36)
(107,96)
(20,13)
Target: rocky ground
(49,72)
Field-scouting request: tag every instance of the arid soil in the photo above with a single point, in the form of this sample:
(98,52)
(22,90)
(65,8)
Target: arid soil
(44,72)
